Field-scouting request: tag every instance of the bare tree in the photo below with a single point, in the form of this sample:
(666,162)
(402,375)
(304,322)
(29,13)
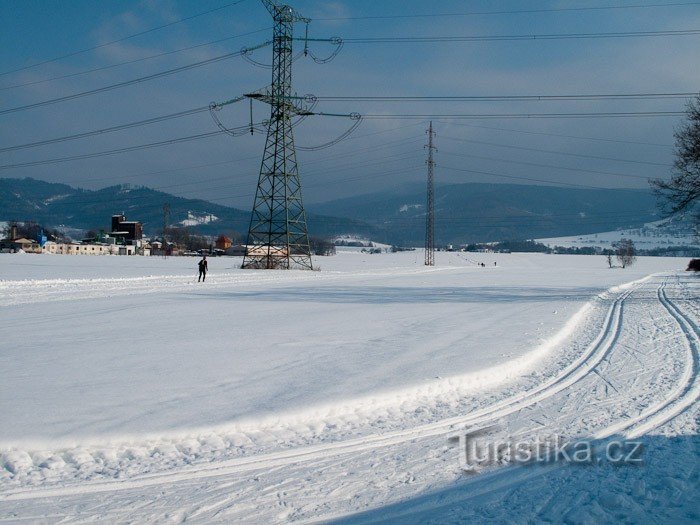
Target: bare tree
(609,259)
(625,252)
(321,246)
(682,191)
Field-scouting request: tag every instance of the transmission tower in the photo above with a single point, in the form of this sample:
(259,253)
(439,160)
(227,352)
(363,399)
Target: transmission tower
(166,224)
(430,208)
(278,236)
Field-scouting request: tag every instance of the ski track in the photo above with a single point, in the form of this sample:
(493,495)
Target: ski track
(588,372)
(32,291)
(80,459)
(483,497)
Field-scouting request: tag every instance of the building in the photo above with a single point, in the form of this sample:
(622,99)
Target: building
(21,244)
(72,248)
(223,243)
(14,243)
(129,231)
(236,251)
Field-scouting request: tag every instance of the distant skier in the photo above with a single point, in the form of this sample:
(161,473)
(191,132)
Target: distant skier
(203,267)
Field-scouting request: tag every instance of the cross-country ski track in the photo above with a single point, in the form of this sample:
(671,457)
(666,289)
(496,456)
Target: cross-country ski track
(625,365)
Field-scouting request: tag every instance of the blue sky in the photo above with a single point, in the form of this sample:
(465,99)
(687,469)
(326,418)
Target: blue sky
(383,153)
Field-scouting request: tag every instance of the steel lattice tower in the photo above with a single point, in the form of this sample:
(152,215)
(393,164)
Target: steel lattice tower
(430,208)
(278,236)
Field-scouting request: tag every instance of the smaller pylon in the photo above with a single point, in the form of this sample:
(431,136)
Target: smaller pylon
(430,208)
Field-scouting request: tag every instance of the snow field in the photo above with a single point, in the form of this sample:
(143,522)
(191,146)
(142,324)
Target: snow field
(602,362)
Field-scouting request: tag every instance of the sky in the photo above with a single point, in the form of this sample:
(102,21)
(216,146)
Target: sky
(51,49)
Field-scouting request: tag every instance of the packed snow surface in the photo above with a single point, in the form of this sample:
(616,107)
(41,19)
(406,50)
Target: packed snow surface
(144,348)
(276,396)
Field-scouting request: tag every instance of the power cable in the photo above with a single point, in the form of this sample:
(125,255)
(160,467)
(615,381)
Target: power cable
(536,165)
(493,98)
(553,152)
(128,62)
(74,53)
(111,129)
(529,179)
(353,154)
(509,12)
(128,82)
(510,38)
(577,137)
(507,116)
(361,98)
(58,160)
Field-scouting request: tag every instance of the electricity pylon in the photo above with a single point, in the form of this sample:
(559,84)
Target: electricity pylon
(430,208)
(278,235)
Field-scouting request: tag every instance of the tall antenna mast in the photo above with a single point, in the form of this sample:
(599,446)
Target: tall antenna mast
(430,208)
(278,235)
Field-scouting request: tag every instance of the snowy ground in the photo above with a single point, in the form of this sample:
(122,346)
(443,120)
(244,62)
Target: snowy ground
(136,394)
(653,235)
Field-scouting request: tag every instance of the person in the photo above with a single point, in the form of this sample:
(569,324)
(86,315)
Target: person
(203,269)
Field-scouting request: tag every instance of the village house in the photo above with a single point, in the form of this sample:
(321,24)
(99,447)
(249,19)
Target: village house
(223,243)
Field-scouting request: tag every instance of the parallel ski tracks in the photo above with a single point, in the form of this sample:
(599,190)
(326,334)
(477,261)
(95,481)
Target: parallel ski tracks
(685,394)
(599,348)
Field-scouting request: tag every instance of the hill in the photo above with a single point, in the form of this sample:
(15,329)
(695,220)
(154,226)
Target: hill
(464,212)
(488,212)
(56,205)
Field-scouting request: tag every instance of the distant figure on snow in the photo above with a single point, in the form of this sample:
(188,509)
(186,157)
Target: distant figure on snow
(203,269)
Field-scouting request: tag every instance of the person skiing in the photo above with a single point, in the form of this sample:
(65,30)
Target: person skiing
(203,267)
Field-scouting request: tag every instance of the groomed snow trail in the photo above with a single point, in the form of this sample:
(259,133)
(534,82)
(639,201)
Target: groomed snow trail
(630,368)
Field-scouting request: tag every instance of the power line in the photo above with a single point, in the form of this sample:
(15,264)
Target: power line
(529,179)
(58,160)
(509,12)
(577,137)
(240,128)
(111,66)
(536,165)
(510,38)
(74,53)
(353,154)
(221,197)
(111,129)
(130,82)
(493,98)
(553,152)
(480,116)
(359,98)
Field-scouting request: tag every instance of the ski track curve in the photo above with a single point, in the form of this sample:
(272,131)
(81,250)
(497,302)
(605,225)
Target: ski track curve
(684,395)
(576,370)
(509,478)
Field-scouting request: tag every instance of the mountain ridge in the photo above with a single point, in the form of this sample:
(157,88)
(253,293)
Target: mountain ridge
(55,205)
(465,213)
(482,212)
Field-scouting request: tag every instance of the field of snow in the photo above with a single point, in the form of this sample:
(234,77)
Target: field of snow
(651,236)
(137,394)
